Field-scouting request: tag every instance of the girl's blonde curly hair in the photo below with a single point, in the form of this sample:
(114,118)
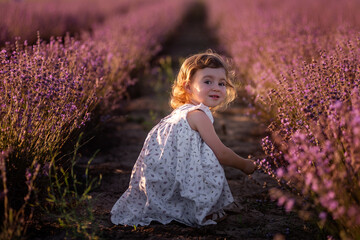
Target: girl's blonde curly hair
(208,59)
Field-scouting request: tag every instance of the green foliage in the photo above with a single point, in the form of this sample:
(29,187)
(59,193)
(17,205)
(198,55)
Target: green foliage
(148,124)
(161,83)
(68,199)
(166,69)
(165,77)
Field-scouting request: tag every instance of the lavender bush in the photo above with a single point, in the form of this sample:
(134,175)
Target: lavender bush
(55,18)
(48,91)
(299,61)
(325,162)
(129,41)
(14,220)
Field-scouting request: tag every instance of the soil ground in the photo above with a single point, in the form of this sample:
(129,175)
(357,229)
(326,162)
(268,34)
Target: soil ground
(256,216)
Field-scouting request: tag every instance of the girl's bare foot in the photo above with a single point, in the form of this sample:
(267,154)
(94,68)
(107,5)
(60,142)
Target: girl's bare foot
(217,217)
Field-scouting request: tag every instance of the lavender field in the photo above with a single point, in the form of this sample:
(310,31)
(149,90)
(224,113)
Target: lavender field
(300,66)
(70,69)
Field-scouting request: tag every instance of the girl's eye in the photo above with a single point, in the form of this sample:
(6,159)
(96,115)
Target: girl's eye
(207,82)
(222,84)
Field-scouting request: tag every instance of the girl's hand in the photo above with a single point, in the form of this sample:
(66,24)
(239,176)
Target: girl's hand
(250,166)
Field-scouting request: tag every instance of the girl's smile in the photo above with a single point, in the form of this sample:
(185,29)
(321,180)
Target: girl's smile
(214,96)
(208,87)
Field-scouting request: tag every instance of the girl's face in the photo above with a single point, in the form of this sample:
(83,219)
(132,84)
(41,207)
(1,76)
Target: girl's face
(208,87)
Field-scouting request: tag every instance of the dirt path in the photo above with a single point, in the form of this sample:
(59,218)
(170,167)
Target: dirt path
(257,217)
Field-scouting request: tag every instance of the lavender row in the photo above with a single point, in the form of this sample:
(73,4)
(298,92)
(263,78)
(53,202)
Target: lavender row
(49,90)
(299,63)
(54,18)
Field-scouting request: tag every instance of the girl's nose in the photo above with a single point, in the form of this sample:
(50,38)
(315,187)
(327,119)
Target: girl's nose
(216,87)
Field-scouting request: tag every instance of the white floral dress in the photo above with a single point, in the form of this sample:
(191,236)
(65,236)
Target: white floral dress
(176,177)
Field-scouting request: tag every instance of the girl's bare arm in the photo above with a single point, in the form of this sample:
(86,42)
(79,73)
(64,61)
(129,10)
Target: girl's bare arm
(200,122)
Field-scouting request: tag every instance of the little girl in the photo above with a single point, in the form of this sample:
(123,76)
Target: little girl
(178,175)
